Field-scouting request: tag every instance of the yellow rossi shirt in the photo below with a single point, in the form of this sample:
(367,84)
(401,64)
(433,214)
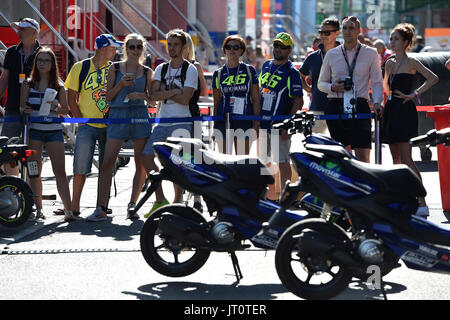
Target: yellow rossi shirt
(91,99)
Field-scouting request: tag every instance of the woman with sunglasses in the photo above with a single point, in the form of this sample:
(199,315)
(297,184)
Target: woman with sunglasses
(236,92)
(45,75)
(400,118)
(128,87)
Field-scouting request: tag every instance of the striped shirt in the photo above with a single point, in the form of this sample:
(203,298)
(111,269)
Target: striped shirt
(35,99)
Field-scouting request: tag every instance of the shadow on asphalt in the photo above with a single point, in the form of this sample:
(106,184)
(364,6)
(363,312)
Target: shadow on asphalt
(199,291)
(103,229)
(358,290)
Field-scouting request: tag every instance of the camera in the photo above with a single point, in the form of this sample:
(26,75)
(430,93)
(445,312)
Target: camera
(348,83)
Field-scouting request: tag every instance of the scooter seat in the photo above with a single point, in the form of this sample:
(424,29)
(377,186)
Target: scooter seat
(395,179)
(244,168)
(329,150)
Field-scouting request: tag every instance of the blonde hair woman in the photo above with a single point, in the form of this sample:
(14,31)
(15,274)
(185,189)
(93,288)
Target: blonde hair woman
(129,83)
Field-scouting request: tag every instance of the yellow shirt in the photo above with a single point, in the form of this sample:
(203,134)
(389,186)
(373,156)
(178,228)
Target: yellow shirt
(91,99)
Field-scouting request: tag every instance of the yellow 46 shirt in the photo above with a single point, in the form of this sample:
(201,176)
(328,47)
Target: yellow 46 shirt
(92,96)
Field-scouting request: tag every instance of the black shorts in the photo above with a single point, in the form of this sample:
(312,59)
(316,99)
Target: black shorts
(350,132)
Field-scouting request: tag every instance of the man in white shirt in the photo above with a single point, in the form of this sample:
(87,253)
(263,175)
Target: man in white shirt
(359,64)
(174,84)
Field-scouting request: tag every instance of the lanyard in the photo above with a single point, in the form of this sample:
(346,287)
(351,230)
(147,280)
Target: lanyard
(352,68)
(273,74)
(393,73)
(22,56)
(174,76)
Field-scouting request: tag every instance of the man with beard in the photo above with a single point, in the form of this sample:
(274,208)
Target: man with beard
(173,84)
(281,94)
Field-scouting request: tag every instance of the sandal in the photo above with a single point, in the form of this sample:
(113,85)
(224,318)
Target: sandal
(69,217)
(40,215)
(59,212)
(131,214)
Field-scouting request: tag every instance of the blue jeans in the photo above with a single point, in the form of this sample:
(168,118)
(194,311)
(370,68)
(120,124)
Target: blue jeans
(87,136)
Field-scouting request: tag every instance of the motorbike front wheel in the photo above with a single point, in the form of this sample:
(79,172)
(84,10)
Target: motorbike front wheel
(16,201)
(166,255)
(308,273)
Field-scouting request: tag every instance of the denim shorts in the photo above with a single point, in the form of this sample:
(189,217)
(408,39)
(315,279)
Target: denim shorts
(129,131)
(87,136)
(46,136)
(161,133)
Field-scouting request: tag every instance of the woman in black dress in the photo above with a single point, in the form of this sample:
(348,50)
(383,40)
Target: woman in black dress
(400,117)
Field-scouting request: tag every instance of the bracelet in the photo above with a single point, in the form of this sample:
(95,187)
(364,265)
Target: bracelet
(416,94)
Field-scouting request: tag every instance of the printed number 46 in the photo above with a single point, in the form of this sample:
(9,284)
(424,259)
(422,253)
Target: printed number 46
(240,79)
(273,80)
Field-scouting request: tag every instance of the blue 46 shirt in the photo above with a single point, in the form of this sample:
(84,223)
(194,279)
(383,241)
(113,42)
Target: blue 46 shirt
(235,82)
(281,84)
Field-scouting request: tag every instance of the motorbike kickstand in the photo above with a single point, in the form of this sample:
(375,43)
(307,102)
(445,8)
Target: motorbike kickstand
(237,269)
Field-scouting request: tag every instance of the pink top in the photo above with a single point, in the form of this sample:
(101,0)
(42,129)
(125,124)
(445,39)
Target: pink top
(367,68)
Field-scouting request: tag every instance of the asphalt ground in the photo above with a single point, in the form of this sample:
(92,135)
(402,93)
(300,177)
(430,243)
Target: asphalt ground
(56,260)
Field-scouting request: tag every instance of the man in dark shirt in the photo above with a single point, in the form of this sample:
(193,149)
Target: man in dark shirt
(18,64)
(329,31)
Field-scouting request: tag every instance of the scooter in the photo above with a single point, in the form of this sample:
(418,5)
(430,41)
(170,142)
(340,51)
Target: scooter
(316,259)
(16,196)
(233,188)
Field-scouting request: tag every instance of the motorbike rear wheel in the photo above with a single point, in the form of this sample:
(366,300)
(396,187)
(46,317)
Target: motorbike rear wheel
(167,255)
(16,201)
(302,270)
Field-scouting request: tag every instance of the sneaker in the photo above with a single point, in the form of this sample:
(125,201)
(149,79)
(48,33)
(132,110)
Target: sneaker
(423,212)
(131,214)
(198,206)
(97,215)
(156,205)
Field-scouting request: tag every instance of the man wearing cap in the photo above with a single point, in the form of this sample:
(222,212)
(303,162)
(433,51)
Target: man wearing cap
(281,94)
(17,66)
(86,84)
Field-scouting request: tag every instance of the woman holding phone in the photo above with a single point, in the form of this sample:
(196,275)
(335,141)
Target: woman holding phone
(44,76)
(129,83)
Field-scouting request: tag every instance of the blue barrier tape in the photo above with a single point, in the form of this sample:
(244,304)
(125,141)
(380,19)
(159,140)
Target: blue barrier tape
(358,116)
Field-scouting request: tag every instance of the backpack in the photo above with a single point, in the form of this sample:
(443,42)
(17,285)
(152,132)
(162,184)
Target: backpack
(194,109)
(85,66)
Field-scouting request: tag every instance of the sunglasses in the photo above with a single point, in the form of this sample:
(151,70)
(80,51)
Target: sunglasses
(235,47)
(327,32)
(133,47)
(280,46)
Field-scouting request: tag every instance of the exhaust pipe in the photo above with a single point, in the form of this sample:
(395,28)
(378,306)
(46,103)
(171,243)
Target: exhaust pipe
(185,230)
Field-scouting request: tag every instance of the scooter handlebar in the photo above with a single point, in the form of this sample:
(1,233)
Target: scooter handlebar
(432,138)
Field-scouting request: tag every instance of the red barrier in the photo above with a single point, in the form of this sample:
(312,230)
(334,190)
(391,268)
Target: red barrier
(441,116)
